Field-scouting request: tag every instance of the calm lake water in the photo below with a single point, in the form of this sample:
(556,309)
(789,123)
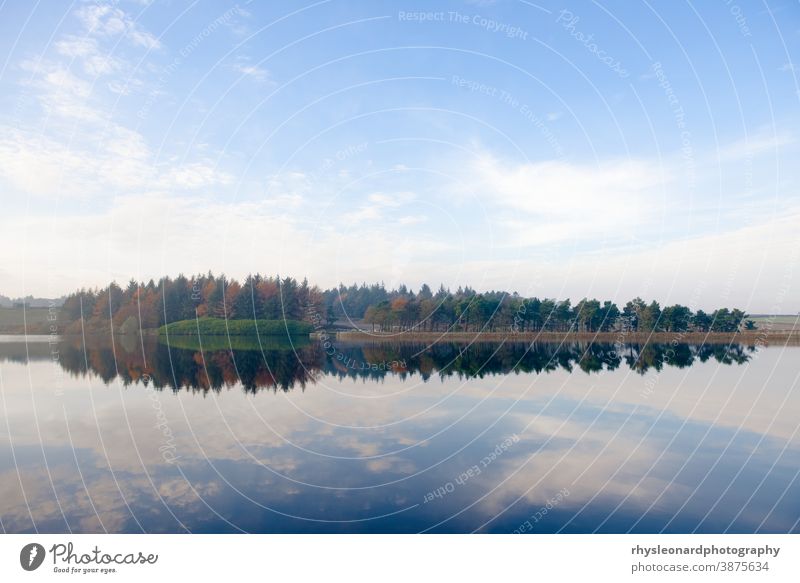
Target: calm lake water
(269,437)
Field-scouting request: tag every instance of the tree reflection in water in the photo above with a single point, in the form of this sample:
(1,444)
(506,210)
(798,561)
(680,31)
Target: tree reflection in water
(257,364)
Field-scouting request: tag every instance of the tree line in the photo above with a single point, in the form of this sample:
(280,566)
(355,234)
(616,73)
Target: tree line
(141,305)
(144,305)
(467,310)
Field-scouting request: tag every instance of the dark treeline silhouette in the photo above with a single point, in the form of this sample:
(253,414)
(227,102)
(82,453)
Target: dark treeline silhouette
(479,359)
(164,366)
(281,366)
(153,304)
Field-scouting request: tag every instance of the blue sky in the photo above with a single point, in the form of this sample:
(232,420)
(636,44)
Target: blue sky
(561,149)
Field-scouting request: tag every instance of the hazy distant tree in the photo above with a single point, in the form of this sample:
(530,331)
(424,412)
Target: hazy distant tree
(108,302)
(610,315)
(649,318)
(291,307)
(130,290)
(632,313)
(216,298)
(425,292)
(725,320)
(563,315)
(701,321)
(676,318)
(244,306)
(586,315)
(737,319)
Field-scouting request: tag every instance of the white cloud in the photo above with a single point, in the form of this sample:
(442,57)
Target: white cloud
(106,21)
(412,220)
(144,39)
(366,213)
(111,161)
(35,164)
(86,51)
(106,160)
(288,190)
(102,19)
(377,203)
(57,78)
(565,201)
(393,200)
(195,175)
(76,47)
(61,93)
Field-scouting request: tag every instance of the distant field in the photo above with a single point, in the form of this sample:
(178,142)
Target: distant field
(18,316)
(784,322)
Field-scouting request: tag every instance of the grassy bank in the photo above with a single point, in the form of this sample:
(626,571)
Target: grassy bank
(221,327)
(760,337)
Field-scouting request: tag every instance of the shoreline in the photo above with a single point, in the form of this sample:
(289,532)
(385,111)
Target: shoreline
(750,337)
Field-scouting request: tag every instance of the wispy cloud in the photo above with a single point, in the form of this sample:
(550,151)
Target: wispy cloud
(243,64)
(104,156)
(253,71)
(764,141)
(379,203)
(106,21)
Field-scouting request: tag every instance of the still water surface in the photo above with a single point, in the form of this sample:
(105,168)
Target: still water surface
(139,436)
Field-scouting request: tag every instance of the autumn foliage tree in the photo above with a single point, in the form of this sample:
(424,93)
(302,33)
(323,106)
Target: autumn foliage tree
(141,305)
